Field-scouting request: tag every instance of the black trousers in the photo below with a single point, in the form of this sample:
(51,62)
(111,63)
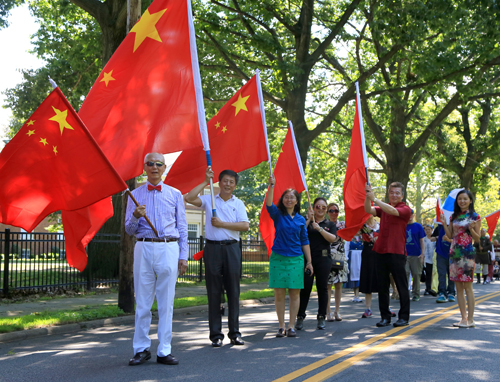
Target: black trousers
(428,277)
(223,268)
(321,266)
(388,263)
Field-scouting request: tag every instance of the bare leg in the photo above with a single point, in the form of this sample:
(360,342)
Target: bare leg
(368,300)
(470,302)
(461,301)
(328,308)
(394,289)
(356,292)
(338,296)
(279,304)
(294,295)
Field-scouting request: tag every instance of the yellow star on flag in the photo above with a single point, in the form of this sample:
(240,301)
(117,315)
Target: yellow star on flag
(224,129)
(60,118)
(217,125)
(31,122)
(146,27)
(240,104)
(30,133)
(54,148)
(106,77)
(44,141)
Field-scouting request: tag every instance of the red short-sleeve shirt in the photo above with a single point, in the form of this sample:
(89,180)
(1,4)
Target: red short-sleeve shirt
(392,234)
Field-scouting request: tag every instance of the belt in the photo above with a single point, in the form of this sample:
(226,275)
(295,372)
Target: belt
(159,240)
(222,242)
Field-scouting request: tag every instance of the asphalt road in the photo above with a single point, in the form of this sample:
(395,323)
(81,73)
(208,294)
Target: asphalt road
(430,349)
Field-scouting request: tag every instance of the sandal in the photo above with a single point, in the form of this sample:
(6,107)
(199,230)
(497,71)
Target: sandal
(330,317)
(337,317)
(281,333)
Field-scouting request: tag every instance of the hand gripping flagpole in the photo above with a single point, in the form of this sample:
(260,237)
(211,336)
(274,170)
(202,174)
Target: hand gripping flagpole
(127,191)
(362,131)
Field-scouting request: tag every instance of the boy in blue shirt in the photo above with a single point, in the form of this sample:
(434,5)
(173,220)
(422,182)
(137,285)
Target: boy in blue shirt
(415,249)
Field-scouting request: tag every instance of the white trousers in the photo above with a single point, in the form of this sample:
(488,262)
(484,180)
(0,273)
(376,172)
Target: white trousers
(155,271)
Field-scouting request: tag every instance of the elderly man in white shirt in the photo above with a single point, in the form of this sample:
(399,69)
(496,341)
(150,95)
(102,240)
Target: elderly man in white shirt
(222,253)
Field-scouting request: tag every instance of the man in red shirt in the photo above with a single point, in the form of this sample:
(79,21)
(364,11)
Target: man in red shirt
(390,248)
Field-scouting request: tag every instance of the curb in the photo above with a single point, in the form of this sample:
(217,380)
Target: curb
(114,321)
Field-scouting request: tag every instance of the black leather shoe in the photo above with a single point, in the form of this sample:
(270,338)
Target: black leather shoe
(237,341)
(217,343)
(140,358)
(383,323)
(401,322)
(167,360)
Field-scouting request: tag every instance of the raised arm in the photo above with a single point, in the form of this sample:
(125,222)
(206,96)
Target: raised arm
(270,192)
(192,196)
(370,196)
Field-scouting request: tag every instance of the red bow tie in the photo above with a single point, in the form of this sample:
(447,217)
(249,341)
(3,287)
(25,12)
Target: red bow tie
(157,188)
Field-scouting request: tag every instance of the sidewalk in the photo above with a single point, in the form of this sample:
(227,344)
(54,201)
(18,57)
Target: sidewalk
(74,303)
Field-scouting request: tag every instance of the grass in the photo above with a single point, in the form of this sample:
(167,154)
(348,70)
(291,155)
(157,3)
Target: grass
(59,317)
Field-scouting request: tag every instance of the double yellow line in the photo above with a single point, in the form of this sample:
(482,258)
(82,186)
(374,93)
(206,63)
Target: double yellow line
(328,373)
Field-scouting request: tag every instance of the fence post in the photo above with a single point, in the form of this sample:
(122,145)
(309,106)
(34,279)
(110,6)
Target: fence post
(201,260)
(89,269)
(6,252)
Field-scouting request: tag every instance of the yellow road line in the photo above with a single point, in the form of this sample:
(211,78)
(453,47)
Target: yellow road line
(444,313)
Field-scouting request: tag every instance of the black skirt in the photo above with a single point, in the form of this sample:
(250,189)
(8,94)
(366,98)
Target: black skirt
(368,281)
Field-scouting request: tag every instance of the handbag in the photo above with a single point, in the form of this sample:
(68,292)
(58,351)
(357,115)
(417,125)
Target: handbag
(483,258)
(337,264)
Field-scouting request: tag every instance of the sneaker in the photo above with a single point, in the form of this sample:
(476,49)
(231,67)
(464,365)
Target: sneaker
(357,299)
(442,298)
(321,323)
(299,324)
(367,313)
(451,298)
(415,298)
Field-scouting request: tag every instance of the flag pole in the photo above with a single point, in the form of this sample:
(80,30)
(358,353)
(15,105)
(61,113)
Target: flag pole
(202,121)
(145,217)
(362,131)
(299,163)
(263,116)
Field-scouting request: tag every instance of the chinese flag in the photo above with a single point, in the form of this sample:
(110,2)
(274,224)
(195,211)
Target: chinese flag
(492,220)
(238,140)
(288,174)
(355,179)
(52,164)
(144,100)
(147,99)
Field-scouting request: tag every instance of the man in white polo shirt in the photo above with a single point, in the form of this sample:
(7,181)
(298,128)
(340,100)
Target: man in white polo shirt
(222,253)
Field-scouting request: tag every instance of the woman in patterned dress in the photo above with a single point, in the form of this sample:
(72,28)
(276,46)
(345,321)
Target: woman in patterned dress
(337,277)
(465,225)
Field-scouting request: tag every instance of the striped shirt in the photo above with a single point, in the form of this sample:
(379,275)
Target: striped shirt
(166,211)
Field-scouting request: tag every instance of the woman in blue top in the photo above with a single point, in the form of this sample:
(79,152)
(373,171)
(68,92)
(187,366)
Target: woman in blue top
(286,266)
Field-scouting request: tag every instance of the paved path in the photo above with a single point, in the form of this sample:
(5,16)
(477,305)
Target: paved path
(73,303)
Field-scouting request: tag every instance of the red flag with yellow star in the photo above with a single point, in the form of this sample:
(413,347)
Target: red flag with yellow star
(238,140)
(53,163)
(145,99)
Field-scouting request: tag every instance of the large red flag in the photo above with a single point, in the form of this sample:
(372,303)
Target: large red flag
(53,163)
(147,99)
(288,174)
(238,140)
(355,179)
(492,220)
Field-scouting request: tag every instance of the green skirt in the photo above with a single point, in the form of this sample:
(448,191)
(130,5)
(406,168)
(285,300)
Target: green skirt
(286,271)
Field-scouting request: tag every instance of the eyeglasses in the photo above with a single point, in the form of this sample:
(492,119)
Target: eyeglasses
(333,211)
(151,164)
(320,207)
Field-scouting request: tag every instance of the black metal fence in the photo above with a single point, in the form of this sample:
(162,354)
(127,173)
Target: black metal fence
(37,261)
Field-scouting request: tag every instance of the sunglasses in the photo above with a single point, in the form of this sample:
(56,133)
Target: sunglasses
(151,164)
(333,211)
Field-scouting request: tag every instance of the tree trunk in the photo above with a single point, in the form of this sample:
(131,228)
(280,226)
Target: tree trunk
(126,280)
